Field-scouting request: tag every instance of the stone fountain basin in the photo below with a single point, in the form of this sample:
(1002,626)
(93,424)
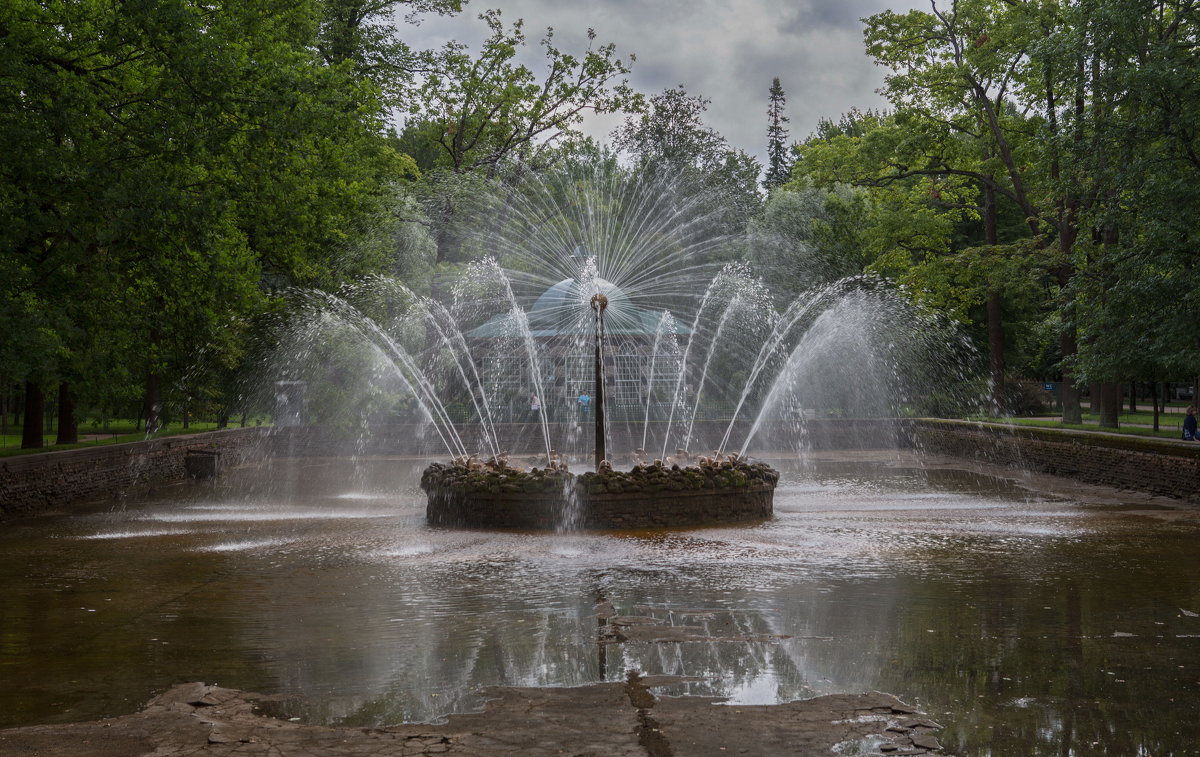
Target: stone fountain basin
(648,496)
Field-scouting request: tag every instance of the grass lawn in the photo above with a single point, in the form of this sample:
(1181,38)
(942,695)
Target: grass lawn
(118,431)
(1165,420)
(1166,430)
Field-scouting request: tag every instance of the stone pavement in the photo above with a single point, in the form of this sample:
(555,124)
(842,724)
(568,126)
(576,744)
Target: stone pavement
(605,719)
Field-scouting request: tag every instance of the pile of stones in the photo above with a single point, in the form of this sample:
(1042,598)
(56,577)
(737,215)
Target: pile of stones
(493,478)
(707,473)
(497,477)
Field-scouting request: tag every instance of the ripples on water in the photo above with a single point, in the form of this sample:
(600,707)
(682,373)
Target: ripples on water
(994,609)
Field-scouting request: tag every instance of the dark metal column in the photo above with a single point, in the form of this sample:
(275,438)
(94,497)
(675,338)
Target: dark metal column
(599,302)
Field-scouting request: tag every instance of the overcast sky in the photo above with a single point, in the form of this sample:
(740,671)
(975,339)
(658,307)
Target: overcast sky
(725,50)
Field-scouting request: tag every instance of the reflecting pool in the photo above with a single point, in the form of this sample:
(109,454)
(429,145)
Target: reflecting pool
(1025,623)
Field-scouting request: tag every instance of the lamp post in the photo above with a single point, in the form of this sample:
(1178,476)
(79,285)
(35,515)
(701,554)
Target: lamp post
(599,303)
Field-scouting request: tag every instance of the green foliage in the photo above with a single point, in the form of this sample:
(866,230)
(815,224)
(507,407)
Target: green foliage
(481,111)
(887,217)
(778,161)
(670,137)
(364,34)
(169,164)
(806,237)
(1036,154)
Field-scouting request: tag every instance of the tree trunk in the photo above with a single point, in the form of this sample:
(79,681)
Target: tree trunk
(1154,399)
(223,418)
(1071,410)
(31,432)
(153,404)
(1109,395)
(995,329)
(995,323)
(68,425)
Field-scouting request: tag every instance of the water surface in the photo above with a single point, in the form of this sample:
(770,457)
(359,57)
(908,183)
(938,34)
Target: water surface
(1026,624)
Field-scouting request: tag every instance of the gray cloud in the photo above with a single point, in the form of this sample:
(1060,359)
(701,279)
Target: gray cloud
(725,50)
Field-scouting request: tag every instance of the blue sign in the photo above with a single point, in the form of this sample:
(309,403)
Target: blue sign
(1048,387)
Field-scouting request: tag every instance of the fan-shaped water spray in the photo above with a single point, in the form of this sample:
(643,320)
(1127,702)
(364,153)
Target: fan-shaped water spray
(510,361)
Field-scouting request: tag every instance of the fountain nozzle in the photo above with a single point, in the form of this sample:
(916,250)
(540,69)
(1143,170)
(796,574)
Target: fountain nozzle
(599,302)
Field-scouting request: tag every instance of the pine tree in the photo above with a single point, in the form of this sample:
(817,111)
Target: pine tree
(778,162)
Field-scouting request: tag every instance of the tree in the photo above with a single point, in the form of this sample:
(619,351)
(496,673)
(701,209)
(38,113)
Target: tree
(1079,112)
(167,160)
(778,161)
(808,236)
(482,111)
(1131,169)
(364,35)
(670,136)
(955,70)
(671,132)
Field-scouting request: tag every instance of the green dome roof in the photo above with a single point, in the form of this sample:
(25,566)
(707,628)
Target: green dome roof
(568,294)
(565,309)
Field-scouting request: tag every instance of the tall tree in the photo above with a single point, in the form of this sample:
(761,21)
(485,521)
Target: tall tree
(670,135)
(167,161)
(1134,181)
(483,110)
(365,35)
(778,158)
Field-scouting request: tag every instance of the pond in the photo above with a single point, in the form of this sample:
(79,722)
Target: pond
(1025,623)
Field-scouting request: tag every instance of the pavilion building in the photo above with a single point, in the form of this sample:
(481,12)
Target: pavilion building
(642,349)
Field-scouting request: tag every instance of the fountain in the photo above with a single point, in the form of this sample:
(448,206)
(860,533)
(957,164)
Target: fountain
(724,489)
(599,309)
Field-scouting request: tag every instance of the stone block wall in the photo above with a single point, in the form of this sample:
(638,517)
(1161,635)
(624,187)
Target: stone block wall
(45,481)
(1156,466)
(710,507)
(548,511)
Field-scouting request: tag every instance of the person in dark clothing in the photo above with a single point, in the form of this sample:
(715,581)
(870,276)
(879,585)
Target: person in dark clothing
(1189,425)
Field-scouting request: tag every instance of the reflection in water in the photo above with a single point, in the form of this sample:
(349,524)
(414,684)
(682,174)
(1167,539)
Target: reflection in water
(1026,624)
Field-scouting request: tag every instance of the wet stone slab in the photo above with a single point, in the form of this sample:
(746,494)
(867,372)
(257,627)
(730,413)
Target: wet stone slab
(619,719)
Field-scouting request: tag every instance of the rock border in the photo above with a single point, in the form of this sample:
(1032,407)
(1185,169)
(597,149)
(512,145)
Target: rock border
(468,494)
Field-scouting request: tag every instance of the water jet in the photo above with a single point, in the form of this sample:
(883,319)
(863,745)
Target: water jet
(596,328)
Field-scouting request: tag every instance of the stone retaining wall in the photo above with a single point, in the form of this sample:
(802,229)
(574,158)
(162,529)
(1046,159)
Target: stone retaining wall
(1156,466)
(705,493)
(39,482)
(44,481)
(548,511)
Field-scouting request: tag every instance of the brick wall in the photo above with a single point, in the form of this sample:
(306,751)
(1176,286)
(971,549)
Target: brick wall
(1156,466)
(44,481)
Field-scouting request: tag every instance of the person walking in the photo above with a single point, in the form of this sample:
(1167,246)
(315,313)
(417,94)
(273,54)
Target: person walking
(535,406)
(1189,425)
(585,403)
